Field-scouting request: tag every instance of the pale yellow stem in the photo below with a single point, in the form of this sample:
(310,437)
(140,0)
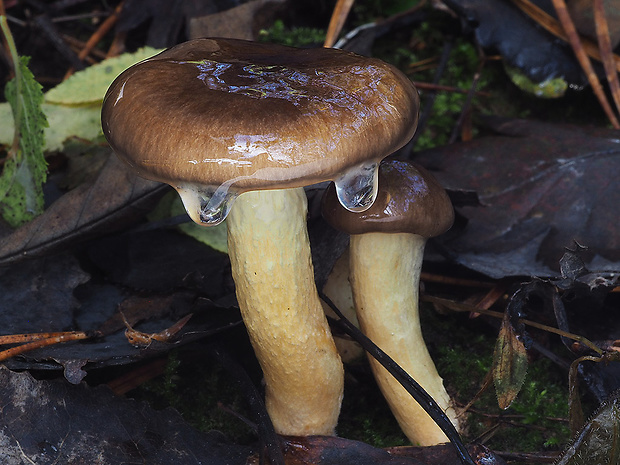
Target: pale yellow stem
(338,289)
(385,274)
(272,268)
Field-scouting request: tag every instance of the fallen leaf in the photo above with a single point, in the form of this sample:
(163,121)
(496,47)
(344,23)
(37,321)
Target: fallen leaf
(47,422)
(509,365)
(115,199)
(160,261)
(541,187)
(90,85)
(501,26)
(599,440)
(240,22)
(38,296)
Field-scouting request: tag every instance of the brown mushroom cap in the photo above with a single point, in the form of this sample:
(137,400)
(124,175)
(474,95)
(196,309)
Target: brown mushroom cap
(215,111)
(409,200)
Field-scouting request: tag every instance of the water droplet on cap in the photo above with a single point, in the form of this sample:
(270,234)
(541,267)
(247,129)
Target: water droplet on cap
(207,205)
(357,188)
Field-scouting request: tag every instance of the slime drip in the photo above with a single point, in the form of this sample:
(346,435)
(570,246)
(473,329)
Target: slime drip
(207,205)
(357,188)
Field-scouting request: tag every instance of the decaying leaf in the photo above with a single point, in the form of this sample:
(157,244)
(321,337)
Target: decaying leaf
(599,440)
(38,297)
(113,200)
(541,187)
(243,21)
(509,365)
(54,422)
(173,274)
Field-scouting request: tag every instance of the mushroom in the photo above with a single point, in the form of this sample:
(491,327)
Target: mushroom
(386,250)
(227,121)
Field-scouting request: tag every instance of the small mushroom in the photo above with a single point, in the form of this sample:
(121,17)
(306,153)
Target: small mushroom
(386,251)
(226,121)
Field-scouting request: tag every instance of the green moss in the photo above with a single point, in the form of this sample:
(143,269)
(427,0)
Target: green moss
(536,419)
(198,390)
(293,37)
(417,52)
(365,414)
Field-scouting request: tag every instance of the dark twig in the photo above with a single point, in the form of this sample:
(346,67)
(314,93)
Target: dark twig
(101,31)
(456,90)
(412,387)
(467,105)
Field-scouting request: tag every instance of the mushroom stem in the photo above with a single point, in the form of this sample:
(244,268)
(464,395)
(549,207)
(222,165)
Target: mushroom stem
(338,290)
(272,268)
(385,274)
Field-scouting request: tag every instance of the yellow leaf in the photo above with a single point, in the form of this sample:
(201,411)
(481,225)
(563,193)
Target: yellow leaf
(89,86)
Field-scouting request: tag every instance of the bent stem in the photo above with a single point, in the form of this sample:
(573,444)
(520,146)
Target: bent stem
(272,268)
(385,274)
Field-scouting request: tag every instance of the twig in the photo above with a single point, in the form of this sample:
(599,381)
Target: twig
(77,17)
(467,105)
(528,457)
(101,31)
(73,42)
(515,416)
(435,278)
(421,64)
(461,307)
(607,54)
(584,61)
(491,297)
(411,386)
(64,337)
(339,16)
(45,25)
(30,337)
(441,87)
(553,26)
(129,381)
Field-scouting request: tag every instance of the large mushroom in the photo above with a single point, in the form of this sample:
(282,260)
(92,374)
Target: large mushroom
(386,250)
(225,121)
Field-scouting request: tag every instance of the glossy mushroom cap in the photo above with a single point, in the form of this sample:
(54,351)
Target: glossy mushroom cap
(256,116)
(409,200)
